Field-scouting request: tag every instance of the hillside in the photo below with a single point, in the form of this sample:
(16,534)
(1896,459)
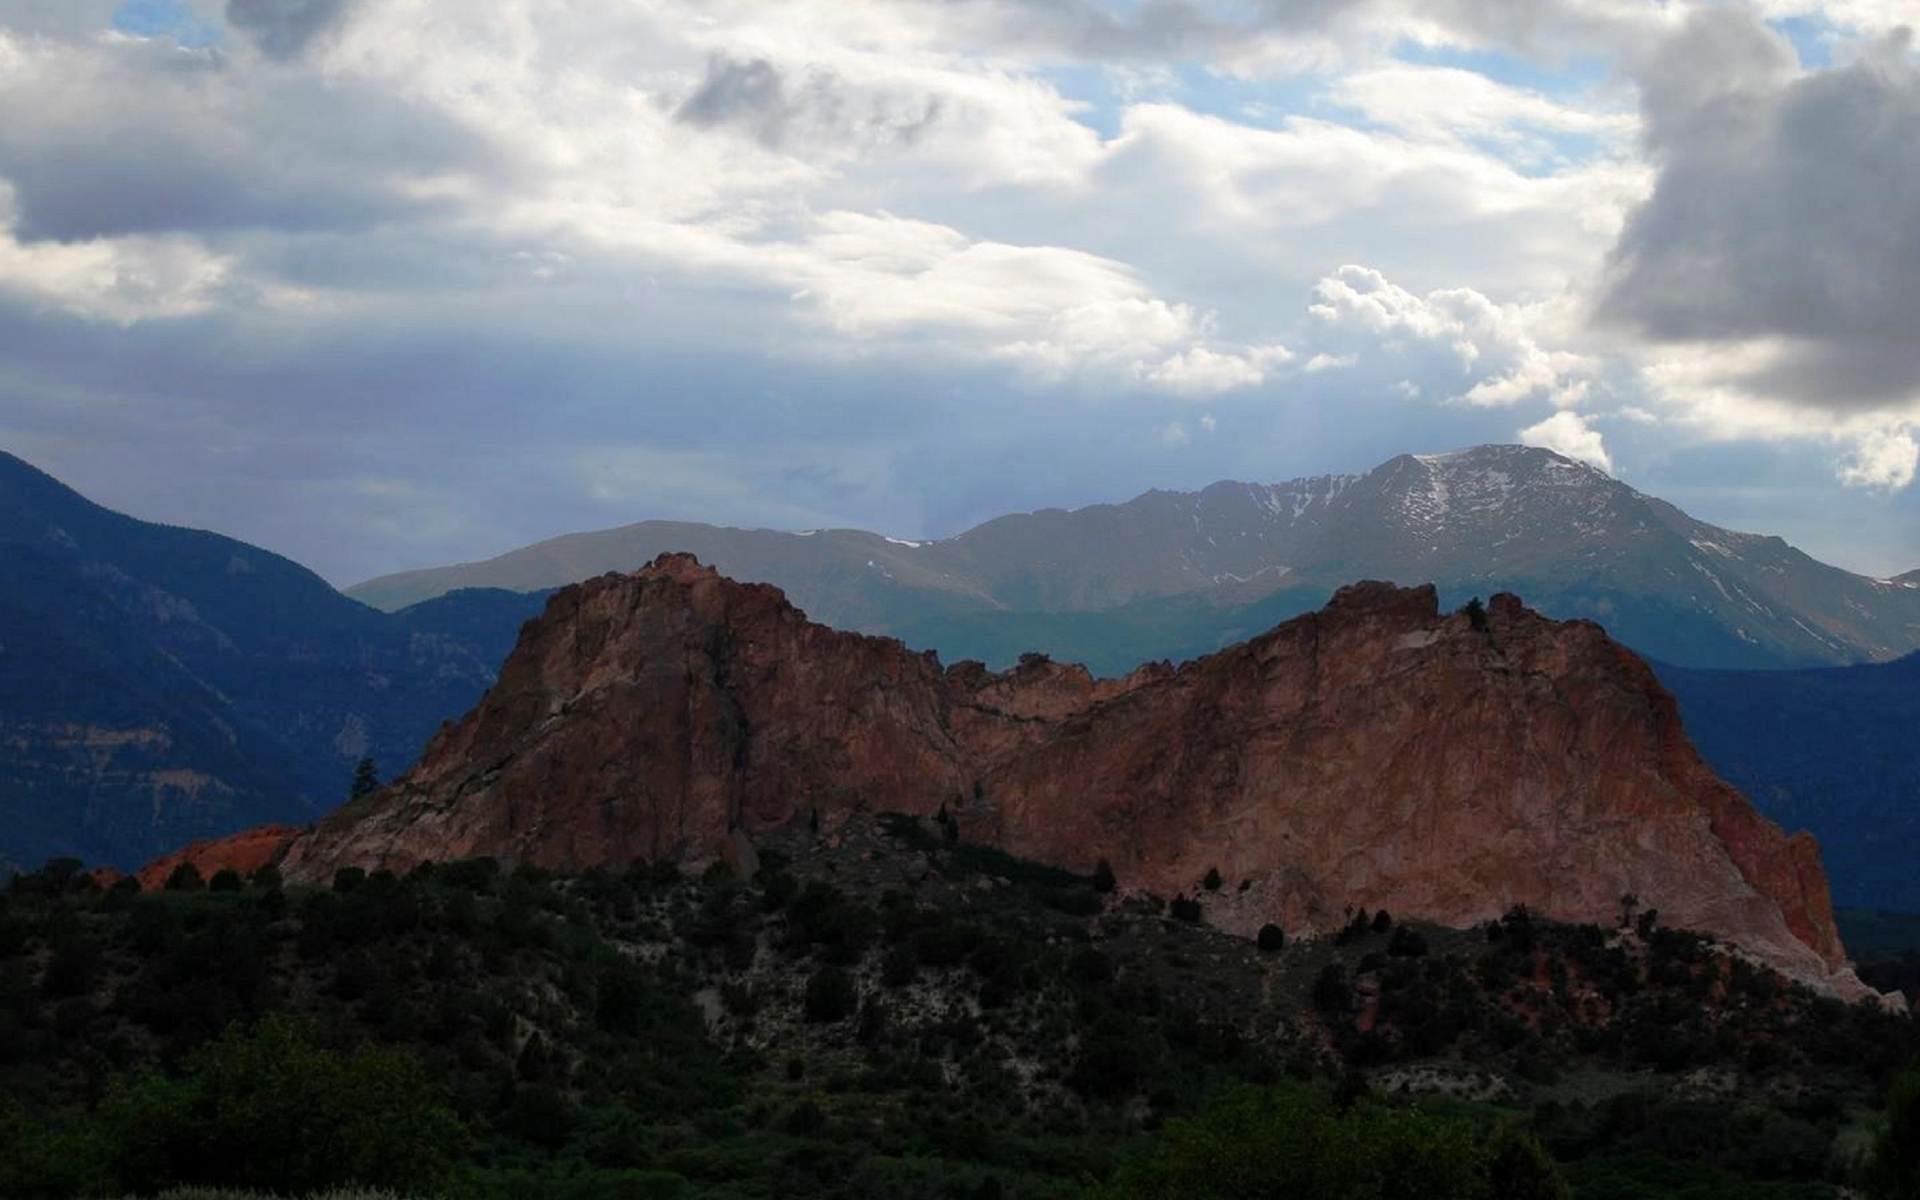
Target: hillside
(1831,750)
(877,1010)
(168,684)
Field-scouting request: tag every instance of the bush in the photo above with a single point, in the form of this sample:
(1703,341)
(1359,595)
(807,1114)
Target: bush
(1405,943)
(1213,881)
(1294,1141)
(266,1108)
(1272,937)
(1893,1173)
(1103,880)
(832,995)
(1185,908)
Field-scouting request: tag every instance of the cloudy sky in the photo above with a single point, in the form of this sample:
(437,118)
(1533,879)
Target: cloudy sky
(390,283)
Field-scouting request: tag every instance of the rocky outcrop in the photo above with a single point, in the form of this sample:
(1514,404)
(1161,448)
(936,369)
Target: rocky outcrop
(1378,753)
(243,853)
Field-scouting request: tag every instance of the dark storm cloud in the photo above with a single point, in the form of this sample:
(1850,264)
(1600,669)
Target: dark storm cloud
(1787,206)
(755,97)
(284,28)
(145,138)
(751,95)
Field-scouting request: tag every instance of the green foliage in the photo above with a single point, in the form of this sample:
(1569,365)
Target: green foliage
(1476,614)
(1893,1173)
(1103,879)
(268,1108)
(366,779)
(1012,1042)
(1293,1141)
(832,995)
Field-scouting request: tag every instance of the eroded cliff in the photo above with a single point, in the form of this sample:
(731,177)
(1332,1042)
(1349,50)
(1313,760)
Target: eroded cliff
(1378,754)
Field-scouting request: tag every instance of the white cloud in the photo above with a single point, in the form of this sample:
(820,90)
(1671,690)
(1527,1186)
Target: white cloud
(121,280)
(1500,356)
(1447,104)
(1882,458)
(1174,435)
(1568,433)
(1329,362)
(1200,371)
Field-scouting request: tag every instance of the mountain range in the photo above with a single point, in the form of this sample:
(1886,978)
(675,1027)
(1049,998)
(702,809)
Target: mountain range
(159,685)
(1175,574)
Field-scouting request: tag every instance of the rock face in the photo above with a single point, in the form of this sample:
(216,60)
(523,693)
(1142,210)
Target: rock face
(243,853)
(1378,753)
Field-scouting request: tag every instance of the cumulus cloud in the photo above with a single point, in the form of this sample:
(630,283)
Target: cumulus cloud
(1782,235)
(1498,357)
(1883,458)
(1569,433)
(1201,371)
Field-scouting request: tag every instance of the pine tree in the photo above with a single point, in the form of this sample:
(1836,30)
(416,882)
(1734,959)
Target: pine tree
(366,779)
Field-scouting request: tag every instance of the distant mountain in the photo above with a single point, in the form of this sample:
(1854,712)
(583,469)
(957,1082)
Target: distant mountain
(160,684)
(1833,751)
(1172,574)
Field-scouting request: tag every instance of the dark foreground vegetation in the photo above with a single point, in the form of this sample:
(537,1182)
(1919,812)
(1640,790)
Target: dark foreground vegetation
(880,1011)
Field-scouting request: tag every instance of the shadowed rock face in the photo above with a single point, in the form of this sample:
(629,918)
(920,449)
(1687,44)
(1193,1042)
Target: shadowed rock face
(1376,754)
(243,853)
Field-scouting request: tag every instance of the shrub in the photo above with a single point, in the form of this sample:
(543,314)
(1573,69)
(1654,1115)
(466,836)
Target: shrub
(1893,1173)
(1272,937)
(185,878)
(266,1108)
(1405,943)
(1103,880)
(832,995)
(1296,1141)
(1213,881)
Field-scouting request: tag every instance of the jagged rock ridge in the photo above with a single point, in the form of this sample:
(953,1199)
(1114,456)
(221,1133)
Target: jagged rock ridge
(1378,753)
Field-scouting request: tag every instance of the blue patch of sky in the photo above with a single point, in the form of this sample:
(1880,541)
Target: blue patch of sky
(1105,92)
(1812,39)
(166,18)
(1562,79)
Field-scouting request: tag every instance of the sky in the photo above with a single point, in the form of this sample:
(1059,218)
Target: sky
(382,284)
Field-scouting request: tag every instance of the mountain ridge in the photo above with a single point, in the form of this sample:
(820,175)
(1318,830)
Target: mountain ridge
(1575,541)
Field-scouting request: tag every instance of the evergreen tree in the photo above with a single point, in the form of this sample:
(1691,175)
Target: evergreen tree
(366,779)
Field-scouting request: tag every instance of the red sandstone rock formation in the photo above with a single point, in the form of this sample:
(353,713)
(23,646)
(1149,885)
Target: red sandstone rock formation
(244,853)
(1377,754)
